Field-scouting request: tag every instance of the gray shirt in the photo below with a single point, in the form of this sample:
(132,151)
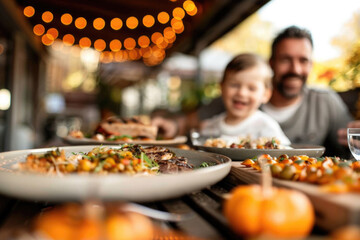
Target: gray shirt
(321,113)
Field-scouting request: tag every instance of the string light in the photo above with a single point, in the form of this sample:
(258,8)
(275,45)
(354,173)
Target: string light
(169,33)
(115,45)
(47,39)
(116,23)
(132,22)
(99,23)
(178,13)
(39,29)
(100,45)
(68,39)
(47,17)
(66,19)
(133,54)
(193,12)
(84,42)
(163,17)
(80,23)
(143,41)
(155,37)
(189,6)
(129,43)
(148,21)
(29,11)
(150,48)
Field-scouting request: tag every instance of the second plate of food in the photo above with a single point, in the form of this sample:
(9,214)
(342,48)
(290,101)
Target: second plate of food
(242,154)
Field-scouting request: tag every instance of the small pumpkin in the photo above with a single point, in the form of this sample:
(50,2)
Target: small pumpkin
(72,221)
(279,213)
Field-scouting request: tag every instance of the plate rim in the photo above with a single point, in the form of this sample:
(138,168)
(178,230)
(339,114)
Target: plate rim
(89,141)
(221,170)
(235,153)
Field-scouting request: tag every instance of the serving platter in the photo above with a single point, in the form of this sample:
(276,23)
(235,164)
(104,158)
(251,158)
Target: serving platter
(88,141)
(138,188)
(332,210)
(242,154)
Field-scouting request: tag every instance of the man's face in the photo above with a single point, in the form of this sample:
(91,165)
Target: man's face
(291,64)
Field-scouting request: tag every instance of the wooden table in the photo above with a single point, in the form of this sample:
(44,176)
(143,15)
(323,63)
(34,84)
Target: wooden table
(205,205)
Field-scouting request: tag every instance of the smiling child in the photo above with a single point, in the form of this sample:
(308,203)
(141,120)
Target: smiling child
(246,84)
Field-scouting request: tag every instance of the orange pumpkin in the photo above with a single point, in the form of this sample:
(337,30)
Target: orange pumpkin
(282,213)
(70,222)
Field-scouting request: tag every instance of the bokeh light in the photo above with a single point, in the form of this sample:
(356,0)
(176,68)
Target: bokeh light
(148,21)
(169,33)
(156,37)
(176,24)
(189,5)
(66,19)
(39,29)
(106,57)
(68,39)
(193,12)
(80,23)
(132,22)
(99,23)
(84,42)
(133,54)
(100,45)
(5,99)
(163,17)
(143,41)
(53,32)
(47,16)
(178,13)
(29,11)
(116,23)
(129,43)
(115,45)
(47,39)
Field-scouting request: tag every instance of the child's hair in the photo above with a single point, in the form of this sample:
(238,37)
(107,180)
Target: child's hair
(245,61)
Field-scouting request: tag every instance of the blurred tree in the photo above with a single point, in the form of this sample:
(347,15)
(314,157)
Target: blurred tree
(348,78)
(349,43)
(252,35)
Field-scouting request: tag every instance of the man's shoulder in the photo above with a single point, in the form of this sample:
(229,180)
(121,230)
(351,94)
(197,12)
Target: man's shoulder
(321,92)
(317,90)
(325,97)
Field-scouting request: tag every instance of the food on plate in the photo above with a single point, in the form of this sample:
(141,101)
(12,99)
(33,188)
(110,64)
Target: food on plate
(245,143)
(134,128)
(92,222)
(334,174)
(129,159)
(121,129)
(215,142)
(281,213)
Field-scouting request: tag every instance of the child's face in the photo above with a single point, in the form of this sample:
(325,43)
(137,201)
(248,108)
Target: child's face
(243,92)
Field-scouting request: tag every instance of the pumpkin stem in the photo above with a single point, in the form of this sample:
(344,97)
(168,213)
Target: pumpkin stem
(266,179)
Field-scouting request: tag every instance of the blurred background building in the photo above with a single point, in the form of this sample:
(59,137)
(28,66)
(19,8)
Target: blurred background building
(67,64)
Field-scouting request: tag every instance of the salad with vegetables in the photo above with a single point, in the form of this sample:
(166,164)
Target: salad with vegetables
(128,159)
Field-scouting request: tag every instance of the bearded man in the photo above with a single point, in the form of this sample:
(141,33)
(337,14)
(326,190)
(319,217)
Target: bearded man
(306,115)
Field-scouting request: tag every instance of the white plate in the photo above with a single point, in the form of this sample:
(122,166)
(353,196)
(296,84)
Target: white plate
(88,141)
(242,154)
(112,186)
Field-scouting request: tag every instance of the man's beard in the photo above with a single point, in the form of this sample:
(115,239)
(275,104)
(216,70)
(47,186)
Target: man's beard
(282,89)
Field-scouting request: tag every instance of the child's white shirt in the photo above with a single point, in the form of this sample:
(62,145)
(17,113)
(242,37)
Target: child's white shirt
(255,126)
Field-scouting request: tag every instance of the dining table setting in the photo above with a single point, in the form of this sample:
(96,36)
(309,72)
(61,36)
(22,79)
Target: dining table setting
(189,187)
